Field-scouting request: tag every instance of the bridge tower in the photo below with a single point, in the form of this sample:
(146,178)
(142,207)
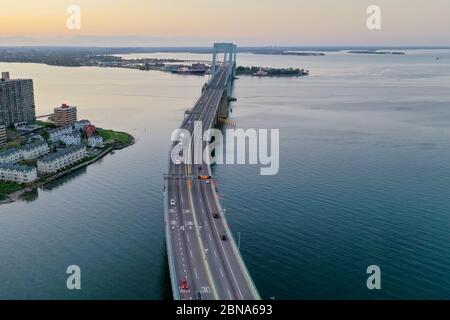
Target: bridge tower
(229,51)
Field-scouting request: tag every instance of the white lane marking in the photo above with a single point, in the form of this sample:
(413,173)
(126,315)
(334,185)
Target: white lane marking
(196,274)
(215,253)
(188,238)
(229,294)
(190,251)
(221,272)
(210,238)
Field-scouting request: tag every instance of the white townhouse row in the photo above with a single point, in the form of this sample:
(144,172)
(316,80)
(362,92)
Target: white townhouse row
(34,150)
(71,139)
(54,135)
(27,152)
(16,173)
(95,142)
(61,159)
(80,125)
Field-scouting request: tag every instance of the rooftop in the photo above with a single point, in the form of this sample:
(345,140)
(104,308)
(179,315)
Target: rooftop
(8,152)
(5,78)
(56,130)
(73,135)
(16,167)
(62,152)
(31,146)
(65,107)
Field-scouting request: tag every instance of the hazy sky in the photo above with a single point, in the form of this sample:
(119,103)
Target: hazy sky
(247,22)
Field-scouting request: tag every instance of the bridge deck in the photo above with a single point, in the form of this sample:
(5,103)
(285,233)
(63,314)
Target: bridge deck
(213,267)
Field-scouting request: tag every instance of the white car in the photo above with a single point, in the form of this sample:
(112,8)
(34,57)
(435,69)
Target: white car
(172,202)
(178,161)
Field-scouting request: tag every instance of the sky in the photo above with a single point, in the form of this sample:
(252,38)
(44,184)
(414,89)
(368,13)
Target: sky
(246,22)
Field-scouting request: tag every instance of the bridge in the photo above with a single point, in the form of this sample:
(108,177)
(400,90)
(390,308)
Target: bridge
(204,260)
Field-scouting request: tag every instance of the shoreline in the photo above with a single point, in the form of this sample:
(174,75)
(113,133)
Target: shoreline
(14,196)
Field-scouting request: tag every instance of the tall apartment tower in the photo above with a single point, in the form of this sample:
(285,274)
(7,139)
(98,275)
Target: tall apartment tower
(16,101)
(65,115)
(2,136)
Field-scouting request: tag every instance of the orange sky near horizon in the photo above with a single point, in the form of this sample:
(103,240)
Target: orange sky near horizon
(303,22)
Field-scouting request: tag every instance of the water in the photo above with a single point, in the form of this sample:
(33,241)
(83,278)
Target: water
(364,179)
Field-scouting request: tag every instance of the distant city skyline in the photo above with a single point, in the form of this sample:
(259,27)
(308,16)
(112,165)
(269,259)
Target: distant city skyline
(248,23)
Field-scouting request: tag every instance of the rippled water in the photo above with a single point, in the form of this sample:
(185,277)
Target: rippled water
(364,179)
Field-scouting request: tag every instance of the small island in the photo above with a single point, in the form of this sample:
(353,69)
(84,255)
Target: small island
(44,151)
(271,72)
(289,53)
(377,52)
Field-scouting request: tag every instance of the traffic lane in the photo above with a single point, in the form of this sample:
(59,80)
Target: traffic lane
(177,246)
(195,252)
(187,258)
(238,272)
(213,256)
(227,260)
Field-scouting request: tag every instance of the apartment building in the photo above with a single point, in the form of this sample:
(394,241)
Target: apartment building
(2,136)
(17,173)
(27,152)
(70,139)
(54,135)
(95,142)
(65,115)
(34,150)
(16,101)
(61,159)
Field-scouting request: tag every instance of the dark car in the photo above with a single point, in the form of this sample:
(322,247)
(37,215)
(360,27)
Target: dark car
(223,237)
(199,296)
(216,216)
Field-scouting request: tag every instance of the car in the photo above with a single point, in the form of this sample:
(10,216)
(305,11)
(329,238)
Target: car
(208,181)
(184,284)
(199,296)
(216,216)
(223,237)
(178,161)
(172,202)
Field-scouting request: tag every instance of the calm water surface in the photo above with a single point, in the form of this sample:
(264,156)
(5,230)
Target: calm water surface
(364,179)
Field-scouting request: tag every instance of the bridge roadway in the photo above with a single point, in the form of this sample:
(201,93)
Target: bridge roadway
(212,267)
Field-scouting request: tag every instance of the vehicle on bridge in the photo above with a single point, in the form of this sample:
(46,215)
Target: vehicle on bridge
(173,202)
